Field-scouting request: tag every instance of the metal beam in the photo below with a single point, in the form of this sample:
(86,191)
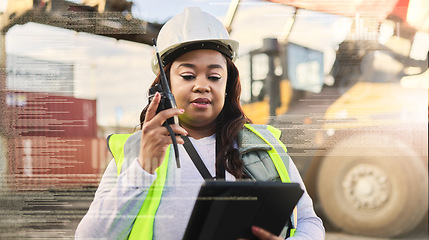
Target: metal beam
(232,10)
(82,18)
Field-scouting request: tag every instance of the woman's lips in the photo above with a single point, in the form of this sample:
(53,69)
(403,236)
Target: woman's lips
(201,103)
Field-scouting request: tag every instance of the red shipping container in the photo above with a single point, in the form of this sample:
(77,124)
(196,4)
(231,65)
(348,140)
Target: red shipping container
(43,114)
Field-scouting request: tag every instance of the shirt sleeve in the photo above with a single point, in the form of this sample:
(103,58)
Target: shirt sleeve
(309,226)
(116,204)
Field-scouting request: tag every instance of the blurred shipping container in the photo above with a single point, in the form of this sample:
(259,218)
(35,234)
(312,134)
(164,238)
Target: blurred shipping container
(43,114)
(39,163)
(50,142)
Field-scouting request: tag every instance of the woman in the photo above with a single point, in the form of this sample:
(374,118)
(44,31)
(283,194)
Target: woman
(142,193)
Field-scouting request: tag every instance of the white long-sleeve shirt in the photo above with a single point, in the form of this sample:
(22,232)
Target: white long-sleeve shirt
(119,199)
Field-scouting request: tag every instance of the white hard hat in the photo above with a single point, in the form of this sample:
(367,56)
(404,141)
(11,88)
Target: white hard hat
(191,30)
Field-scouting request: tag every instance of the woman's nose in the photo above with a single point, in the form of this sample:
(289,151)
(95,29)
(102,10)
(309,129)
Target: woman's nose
(201,85)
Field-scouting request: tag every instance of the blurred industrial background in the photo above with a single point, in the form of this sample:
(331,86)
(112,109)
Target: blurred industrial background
(345,81)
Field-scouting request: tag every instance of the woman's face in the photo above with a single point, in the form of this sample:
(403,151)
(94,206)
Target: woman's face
(198,82)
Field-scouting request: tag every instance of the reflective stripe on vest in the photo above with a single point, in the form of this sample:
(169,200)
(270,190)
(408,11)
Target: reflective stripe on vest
(143,225)
(117,148)
(277,147)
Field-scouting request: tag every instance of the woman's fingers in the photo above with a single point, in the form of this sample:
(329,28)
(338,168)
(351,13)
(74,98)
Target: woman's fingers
(161,136)
(263,234)
(154,130)
(162,116)
(178,130)
(159,118)
(155,137)
(153,106)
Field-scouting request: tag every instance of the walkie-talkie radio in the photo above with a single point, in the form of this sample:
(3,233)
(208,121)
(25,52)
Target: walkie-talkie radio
(167,101)
(167,98)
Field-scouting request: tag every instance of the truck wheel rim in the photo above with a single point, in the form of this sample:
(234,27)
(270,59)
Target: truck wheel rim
(366,187)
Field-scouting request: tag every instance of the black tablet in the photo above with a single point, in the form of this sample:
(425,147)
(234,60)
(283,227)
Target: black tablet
(227,210)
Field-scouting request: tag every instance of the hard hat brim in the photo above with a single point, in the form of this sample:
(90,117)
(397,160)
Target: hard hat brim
(227,47)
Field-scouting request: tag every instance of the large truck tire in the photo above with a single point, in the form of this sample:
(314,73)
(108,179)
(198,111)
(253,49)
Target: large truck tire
(373,185)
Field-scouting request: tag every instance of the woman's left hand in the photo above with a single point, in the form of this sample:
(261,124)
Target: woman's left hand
(263,234)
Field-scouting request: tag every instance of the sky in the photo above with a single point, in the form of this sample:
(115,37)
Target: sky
(117,73)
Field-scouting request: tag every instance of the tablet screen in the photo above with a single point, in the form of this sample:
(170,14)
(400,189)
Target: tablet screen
(227,210)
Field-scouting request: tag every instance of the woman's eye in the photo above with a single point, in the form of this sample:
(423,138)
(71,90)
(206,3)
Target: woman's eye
(215,78)
(187,77)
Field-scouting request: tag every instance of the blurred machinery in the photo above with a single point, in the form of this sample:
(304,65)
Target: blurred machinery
(358,134)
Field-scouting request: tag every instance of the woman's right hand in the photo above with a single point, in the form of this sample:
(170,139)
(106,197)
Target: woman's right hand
(155,137)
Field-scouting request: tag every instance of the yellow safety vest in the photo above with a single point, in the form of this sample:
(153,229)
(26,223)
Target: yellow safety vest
(143,224)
